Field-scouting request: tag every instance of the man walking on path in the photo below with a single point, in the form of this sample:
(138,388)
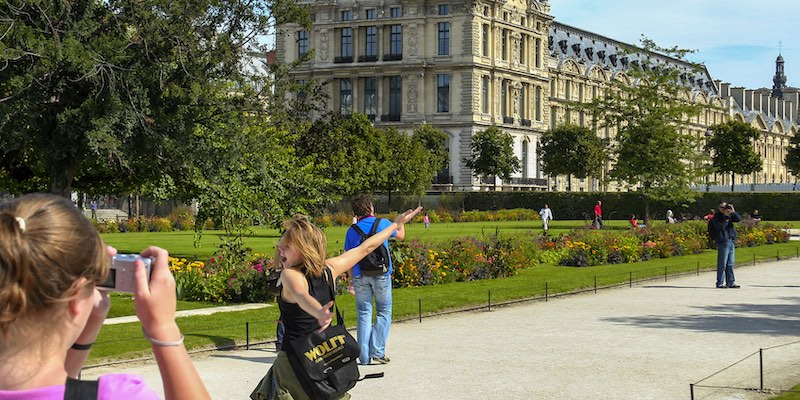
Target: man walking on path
(371,338)
(547,214)
(724,235)
(598,215)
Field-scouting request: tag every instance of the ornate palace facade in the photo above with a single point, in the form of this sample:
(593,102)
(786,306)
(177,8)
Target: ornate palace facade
(464,66)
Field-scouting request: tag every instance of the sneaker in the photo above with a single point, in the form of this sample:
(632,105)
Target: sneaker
(721,287)
(381,360)
(734,286)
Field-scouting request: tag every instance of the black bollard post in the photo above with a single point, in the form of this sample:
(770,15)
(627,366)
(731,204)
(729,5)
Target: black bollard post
(420,310)
(546,291)
(247,335)
(595,283)
(490,299)
(630,279)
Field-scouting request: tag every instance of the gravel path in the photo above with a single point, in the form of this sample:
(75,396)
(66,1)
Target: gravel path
(648,342)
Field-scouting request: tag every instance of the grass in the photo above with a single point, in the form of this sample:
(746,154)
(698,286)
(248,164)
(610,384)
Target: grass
(124,341)
(262,240)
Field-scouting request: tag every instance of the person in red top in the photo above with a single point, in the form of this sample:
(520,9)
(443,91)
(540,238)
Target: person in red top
(708,216)
(634,223)
(598,215)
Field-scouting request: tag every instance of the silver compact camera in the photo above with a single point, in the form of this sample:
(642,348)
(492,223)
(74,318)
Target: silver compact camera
(121,277)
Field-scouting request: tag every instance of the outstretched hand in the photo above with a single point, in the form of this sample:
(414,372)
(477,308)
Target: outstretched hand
(407,216)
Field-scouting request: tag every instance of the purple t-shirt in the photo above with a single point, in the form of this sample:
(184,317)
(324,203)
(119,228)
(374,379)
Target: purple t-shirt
(111,386)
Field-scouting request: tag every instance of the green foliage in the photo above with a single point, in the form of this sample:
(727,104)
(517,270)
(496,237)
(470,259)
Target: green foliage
(792,159)
(492,154)
(571,150)
(731,146)
(410,166)
(652,155)
(435,141)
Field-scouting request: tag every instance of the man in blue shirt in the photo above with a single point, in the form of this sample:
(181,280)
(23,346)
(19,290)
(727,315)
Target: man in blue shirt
(724,235)
(371,338)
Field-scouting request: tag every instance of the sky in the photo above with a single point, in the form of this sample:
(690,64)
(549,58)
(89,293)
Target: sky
(737,40)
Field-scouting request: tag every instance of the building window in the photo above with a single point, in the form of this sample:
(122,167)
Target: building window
(395,95)
(537,53)
(485,41)
(523,101)
(347,43)
(302,43)
(485,95)
(504,99)
(444,9)
(347,15)
(371,41)
(443,93)
(538,103)
(396,40)
(525,159)
(345,96)
(395,12)
(568,89)
(522,45)
(553,86)
(444,38)
(371,14)
(504,45)
(553,118)
(370,96)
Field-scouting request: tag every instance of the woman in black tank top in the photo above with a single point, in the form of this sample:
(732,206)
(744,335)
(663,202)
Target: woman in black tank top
(304,299)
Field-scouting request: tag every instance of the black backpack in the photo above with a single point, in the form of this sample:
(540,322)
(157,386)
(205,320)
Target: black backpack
(377,262)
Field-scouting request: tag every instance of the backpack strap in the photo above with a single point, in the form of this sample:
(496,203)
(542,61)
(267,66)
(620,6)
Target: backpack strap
(331,284)
(80,390)
(359,231)
(375,226)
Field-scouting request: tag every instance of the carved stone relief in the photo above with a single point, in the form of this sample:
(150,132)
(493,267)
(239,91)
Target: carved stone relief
(412,40)
(323,45)
(412,96)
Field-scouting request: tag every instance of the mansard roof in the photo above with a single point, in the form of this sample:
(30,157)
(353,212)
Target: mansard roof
(591,49)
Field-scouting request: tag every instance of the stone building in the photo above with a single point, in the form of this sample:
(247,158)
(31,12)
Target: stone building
(464,66)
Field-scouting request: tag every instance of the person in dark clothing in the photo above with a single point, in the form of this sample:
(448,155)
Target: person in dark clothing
(305,301)
(724,235)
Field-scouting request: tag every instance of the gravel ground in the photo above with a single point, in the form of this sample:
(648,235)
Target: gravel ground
(646,342)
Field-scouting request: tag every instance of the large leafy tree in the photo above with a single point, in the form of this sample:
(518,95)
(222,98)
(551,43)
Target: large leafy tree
(492,154)
(571,150)
(435,141)
(409,164)
(731,148)
(108,95)
(347,151)
(792,159)
(653,154)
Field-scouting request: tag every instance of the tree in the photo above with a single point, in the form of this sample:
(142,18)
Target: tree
(108,95)
(409,165)
(731,145)
(492,154)
(346,151)
(792,159)
(571,150)
(435,141)
(652,155)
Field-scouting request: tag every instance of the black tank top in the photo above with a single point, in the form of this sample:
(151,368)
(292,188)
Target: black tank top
(298,322)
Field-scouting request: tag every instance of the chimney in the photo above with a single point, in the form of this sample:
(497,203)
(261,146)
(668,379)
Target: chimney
(749,100)
(724,89)
(766,104)
(737,93)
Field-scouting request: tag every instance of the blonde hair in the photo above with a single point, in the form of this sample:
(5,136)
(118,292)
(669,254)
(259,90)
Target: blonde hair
(310,241)
(46,245)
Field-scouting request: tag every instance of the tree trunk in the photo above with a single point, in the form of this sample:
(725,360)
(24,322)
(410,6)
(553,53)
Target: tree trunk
(733,181)
(389,203)
(646,211)
(569,182)
(61,177)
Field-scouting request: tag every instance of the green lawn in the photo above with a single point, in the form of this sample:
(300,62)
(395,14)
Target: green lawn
(181,244)
(125,341)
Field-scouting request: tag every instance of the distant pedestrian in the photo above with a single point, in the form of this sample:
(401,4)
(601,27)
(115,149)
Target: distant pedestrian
(427,220)
(598,215)
(547,214)
(756,216)
(724,234)
(93,206)
(670,217)
(708,216)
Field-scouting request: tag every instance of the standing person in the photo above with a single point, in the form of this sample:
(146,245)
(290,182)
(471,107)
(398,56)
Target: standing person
(372,338)
(93,206)
(547,214)
(724,234)
(51,259)
(670,217)
(756,216)
(708,216)
(427,220)
(598,215)
(304,300)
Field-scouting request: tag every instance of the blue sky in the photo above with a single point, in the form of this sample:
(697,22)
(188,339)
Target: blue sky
(737,40)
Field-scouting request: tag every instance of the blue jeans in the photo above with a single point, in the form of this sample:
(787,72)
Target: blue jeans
(725,261)
(372,338)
